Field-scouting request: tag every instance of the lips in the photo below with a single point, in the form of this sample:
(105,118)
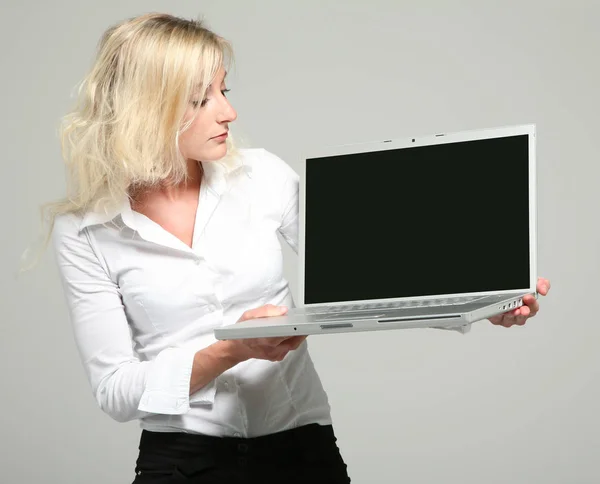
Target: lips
(220,135)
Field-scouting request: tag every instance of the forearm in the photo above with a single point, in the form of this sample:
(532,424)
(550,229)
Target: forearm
(211,362)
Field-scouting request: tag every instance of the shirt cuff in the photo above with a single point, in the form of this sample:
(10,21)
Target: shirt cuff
(167,389)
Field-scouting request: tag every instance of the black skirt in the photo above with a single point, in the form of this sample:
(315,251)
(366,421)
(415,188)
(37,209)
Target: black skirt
(307,454)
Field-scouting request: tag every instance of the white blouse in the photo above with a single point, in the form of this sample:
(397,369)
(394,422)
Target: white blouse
(142,303)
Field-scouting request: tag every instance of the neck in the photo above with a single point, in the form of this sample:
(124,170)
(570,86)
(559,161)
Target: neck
(192,184)
(195,172)
(173,191)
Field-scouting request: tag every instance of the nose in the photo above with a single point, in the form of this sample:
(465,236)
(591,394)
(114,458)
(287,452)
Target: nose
(227,113)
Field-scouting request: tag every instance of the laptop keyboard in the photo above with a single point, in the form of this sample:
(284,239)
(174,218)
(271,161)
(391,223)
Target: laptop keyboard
(392,305)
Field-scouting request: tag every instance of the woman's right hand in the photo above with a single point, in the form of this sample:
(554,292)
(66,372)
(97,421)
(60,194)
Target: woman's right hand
(272,348)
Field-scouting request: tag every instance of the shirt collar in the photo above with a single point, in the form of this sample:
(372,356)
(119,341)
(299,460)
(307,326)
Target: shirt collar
(217,175)
(97,217)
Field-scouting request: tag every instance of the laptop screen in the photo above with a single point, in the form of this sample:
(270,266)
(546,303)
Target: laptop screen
(418,221)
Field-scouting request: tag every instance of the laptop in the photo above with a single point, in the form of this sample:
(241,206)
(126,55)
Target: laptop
(425,232)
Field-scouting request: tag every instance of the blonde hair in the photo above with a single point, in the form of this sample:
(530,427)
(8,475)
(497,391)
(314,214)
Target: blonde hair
(123,131)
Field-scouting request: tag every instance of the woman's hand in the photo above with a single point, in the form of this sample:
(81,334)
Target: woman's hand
(529,309)
(271,349)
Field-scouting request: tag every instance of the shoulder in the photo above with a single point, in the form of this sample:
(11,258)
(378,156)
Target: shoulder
(265,164)
(67,224)
(67,231)
(272,178)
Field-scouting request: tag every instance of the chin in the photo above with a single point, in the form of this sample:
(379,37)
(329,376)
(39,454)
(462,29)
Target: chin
(213,155)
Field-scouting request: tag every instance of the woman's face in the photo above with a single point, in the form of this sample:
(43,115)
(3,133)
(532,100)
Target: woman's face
(205,139)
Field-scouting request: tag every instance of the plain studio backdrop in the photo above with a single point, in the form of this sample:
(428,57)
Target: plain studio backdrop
(498,405)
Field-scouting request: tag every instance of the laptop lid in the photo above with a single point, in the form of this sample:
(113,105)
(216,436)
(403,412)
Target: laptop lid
(441,215)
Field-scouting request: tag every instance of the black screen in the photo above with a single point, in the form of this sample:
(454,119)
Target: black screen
(418,221)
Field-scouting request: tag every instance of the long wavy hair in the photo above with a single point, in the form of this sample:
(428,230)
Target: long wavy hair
(123,131)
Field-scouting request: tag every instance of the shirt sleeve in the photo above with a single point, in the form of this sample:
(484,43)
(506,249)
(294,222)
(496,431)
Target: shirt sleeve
(290,215)
(124,387)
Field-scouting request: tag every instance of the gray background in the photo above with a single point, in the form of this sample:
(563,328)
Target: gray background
(499,405)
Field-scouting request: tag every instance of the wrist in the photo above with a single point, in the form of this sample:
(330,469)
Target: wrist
(228,353)
(211,362)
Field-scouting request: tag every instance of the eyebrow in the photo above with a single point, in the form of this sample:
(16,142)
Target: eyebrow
(224,77)
(199,85)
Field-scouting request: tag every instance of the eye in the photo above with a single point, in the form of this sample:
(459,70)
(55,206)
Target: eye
(196,103)
(205,100)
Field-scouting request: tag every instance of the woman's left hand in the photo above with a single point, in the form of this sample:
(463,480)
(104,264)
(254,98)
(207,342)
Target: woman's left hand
(529,309)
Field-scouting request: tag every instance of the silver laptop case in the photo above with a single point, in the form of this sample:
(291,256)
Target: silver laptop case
(473,189)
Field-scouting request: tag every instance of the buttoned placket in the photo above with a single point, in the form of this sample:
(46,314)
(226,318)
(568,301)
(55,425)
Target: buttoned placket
(208,201)
(209,196)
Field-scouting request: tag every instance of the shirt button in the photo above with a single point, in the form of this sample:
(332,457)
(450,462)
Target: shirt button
(226,385)
(237,434)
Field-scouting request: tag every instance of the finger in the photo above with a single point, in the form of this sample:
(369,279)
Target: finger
(295,342)
(498,320)
(521,320)
(273,341)
(288,340)
(508,320)
(533,306)
(270,342)
(278,355)
(522,311)
(278,352)
(263,312)
(532,303)
(283,344)
(543,286)
(271,310)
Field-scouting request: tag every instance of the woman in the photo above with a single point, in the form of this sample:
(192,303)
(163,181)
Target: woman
(168,232)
